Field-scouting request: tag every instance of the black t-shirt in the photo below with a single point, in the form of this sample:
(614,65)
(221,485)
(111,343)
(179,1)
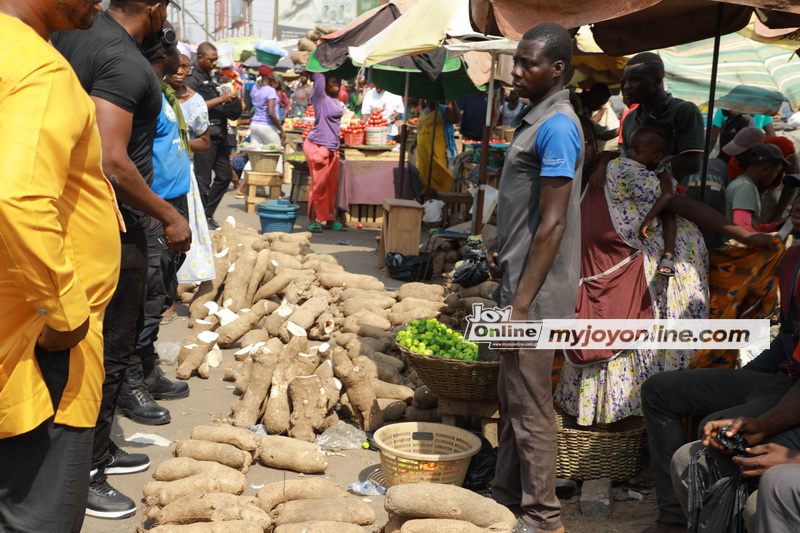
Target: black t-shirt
(110,65)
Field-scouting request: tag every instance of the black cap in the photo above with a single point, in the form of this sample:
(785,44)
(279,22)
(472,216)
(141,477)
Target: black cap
(766,153)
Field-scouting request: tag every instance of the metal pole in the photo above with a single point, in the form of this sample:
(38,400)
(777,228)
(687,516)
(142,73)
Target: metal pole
(711,96)
(206,8)
(398,188)
(478,220)
(197,21)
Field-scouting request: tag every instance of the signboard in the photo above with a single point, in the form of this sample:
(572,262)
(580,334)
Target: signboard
(237,13)
(296,17)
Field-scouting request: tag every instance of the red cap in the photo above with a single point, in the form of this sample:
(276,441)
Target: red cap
(264,70)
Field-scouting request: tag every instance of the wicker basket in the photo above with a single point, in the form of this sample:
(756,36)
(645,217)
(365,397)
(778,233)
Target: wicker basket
(457,380)
(264,161)
(414,452)
(602,451)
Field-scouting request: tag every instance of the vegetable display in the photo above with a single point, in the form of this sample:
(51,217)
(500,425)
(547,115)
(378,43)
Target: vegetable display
(430,337)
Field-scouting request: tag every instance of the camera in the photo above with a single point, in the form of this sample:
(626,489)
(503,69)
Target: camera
(737,444)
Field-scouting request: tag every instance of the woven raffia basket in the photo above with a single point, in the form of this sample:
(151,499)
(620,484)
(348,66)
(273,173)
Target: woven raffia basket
(263,161)
(602,451)
(455,379)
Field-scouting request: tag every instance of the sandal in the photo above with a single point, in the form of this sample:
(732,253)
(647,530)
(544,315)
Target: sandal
(336,226)
(315,228)
(167,319)
(666,263)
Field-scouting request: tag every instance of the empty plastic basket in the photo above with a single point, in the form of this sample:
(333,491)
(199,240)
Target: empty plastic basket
(277,215)
(376,136)
(267,58)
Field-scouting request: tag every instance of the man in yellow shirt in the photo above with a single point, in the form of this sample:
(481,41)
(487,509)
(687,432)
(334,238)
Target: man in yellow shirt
(59,264)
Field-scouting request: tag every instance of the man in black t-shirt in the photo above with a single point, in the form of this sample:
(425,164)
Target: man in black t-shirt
(110,65)
(221,108)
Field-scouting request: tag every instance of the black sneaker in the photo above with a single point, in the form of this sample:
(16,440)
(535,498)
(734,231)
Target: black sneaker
(163,389)
(135,401)
(212,224)
(122,462)
(105,502)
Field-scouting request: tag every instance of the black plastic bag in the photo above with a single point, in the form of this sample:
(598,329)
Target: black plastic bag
(474,250)
(471,272)
(481,467)
(409,267)
(715,502)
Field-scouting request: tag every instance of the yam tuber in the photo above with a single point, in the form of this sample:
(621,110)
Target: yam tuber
(182,467)
(162,493)
(277,414)
(230,333)
(208,290)
(213,451)
(354,305)
(349,510)
(265,360)
(235,436)
(390,390)
(273,287)
(274,494)
(205,340)
(392,410)
(355,323)
(360,391)
(212,507)
(481,290)
(430,500)
(414,414)
(431,525)
(355,281)
(309,407)
(424,291)
(318,526)
(424,398)
(286,453)
(230,526)
(234,292)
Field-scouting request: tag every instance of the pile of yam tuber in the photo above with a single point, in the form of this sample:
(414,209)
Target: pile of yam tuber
(310,341)
(308,336)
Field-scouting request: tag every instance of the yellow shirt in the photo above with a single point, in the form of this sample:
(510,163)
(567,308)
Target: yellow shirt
(59,231)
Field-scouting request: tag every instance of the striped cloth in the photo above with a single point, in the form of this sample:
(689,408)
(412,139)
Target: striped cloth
(753,77)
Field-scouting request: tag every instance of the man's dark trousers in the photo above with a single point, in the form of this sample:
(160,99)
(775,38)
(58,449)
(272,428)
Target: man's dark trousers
(218,160)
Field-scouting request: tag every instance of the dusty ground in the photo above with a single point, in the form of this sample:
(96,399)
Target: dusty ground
(210,399)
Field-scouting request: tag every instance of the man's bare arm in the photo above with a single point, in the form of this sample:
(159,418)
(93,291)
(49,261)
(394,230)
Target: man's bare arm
(115,125)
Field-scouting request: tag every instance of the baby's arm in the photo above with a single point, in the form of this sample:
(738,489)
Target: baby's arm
(667,193)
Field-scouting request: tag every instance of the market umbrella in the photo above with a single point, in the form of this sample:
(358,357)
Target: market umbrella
(630,26)
(752,77)
(421,31)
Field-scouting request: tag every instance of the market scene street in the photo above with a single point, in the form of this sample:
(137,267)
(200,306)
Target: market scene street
(400,266)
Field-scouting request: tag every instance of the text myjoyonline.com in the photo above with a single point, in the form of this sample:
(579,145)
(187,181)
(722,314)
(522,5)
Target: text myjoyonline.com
(622,334)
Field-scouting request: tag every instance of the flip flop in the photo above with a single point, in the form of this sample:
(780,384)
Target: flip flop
(666,262)
(315,228)
(167,319)
(337,226)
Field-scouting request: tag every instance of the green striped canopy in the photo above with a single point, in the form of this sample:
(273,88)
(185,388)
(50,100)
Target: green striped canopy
(752,77)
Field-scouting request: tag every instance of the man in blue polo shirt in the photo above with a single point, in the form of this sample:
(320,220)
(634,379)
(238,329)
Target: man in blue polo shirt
(537,252)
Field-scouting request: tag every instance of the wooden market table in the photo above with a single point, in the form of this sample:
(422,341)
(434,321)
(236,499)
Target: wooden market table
(368,175)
